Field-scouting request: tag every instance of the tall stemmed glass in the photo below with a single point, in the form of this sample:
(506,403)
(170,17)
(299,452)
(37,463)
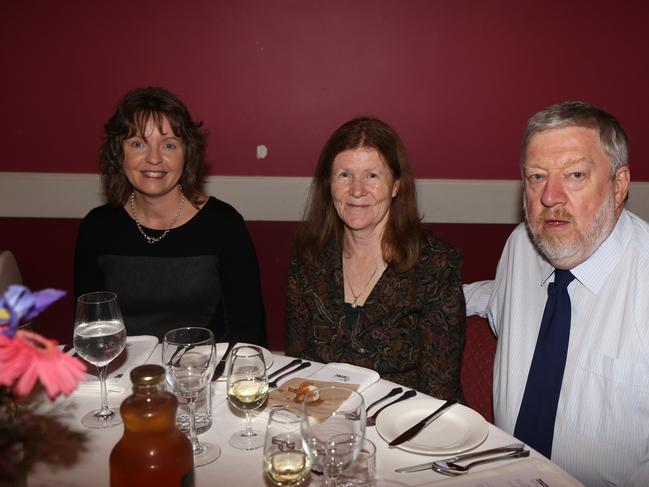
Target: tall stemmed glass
(333,428)
(285,461)
(189,357)
(247,390)
(99,337)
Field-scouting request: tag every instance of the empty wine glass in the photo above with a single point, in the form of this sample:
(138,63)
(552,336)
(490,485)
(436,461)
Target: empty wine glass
(333,428)
(99,337)
(189,356)
(247,390)
(285,461)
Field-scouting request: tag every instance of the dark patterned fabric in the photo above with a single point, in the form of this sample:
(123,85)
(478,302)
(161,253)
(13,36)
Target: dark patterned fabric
(411,328)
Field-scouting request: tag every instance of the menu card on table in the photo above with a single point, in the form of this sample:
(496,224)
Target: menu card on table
(345,374)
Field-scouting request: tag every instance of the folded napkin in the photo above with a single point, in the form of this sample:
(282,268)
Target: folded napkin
(350,375)
(138,350)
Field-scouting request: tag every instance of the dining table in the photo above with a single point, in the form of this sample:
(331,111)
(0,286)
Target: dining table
(83,454)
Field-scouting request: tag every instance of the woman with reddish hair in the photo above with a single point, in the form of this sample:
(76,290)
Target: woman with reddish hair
(367,284)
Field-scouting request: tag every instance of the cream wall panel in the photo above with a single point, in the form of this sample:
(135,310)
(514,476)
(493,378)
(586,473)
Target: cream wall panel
(54,195)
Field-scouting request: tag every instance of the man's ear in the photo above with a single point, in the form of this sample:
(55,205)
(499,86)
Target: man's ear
(621,182)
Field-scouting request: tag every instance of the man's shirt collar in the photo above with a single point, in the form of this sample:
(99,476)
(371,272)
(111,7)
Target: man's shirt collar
(594,271)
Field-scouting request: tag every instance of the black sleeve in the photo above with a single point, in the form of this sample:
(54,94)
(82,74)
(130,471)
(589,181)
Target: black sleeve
(87,275)
(240,282)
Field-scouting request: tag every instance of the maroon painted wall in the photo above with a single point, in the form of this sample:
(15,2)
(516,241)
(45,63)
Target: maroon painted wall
(457,78)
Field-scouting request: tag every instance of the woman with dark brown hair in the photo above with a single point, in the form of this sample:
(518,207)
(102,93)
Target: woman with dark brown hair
(367,284)
(174,256)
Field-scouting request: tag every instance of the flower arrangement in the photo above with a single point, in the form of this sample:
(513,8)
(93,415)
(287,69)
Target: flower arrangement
(25,359)
(26,356)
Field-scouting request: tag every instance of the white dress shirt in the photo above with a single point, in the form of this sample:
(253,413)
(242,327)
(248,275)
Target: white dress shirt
(601,433)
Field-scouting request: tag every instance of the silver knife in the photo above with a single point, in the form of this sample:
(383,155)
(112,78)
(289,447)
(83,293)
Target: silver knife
(515,447)
(414,430)
(220,367)
(286,367)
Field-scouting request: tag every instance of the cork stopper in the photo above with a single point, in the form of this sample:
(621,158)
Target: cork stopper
(147,375)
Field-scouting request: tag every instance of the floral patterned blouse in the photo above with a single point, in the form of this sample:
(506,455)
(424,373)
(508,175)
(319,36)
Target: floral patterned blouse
(411,328)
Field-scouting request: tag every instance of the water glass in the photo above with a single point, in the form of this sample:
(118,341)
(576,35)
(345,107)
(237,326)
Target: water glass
(99,337)
(203,407)
(361,473)
(188,355)
(333,428)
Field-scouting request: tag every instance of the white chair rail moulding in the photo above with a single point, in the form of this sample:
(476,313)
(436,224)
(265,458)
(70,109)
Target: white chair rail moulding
(260,198)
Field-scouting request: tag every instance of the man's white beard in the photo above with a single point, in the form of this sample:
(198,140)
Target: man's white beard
(567,256)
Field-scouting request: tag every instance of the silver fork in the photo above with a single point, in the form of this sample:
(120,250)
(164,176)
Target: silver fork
(371,420)
(393,392)
(448,468)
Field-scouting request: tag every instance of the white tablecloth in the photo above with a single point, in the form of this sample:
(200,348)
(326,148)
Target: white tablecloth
(234,467)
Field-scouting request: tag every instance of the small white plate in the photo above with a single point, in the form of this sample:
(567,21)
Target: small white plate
(458,429)
(222,347)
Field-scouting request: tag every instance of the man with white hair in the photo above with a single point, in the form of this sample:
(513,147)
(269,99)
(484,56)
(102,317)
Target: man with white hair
(570,303)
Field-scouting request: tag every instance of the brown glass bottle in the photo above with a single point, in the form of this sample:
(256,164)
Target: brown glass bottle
(151,451)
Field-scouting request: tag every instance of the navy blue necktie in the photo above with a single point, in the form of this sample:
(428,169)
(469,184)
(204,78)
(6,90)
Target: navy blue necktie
(535,423)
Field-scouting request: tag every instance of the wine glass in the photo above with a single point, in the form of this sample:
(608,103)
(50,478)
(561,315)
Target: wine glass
(189,356)
(333,428)
(247,390)
(99,337)
(285,461)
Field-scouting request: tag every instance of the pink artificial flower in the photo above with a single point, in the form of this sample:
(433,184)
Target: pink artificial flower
(30,356)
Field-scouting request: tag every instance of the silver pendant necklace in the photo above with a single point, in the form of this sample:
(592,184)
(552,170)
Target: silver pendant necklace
(148,238)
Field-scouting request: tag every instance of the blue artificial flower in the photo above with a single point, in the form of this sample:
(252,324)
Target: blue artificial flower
(19,304)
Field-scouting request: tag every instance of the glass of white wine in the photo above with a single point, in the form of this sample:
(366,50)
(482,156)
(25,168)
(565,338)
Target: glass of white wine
(99,337)
(285,461)
(247,390)
(189,357)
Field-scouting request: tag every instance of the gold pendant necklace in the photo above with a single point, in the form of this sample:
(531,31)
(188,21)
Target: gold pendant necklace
(349,283)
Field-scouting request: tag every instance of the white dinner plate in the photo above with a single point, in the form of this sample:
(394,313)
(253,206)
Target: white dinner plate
(222,347)
(458,429)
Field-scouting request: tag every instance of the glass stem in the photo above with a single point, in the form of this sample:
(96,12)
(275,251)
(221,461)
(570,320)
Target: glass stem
(196,446)
(329,480)
(104,411)
(248,432)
